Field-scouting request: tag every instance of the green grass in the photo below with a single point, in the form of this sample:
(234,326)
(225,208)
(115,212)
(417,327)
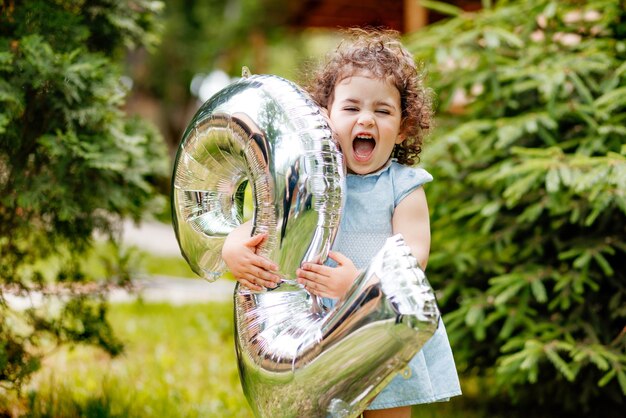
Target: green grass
(144,262)
(179,362)
(94,262)
(166,266)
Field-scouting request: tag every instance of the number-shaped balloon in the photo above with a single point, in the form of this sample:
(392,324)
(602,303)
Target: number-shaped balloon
(266,131)
(295,358)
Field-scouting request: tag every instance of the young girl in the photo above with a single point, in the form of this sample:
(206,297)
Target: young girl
(379,109)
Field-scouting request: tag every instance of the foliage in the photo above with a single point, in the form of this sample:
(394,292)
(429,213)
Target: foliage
(71,164)
(201,36)
(529,201)
(179,362)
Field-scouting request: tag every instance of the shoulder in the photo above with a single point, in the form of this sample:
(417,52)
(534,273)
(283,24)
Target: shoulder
(409,174)
(406,179)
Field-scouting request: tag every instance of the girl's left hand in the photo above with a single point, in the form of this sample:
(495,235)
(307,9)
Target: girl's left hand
(329,282)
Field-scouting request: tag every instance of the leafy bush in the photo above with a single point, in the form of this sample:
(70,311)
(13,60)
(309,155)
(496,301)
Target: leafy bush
(529,200)
(71,164)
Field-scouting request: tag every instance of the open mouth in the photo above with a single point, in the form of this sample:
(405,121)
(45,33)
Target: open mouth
(363,146)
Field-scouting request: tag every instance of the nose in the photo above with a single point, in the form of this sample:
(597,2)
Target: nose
(366,119)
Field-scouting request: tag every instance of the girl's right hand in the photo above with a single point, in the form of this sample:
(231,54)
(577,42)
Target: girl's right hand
(250,269)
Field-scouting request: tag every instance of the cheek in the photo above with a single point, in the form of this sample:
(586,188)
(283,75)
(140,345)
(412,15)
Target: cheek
(344,142)
(389,132)
(341,127)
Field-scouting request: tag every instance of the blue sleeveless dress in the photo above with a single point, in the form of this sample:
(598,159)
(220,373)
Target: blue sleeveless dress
(431,375)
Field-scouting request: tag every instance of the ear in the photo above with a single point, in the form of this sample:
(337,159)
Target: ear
(400,138)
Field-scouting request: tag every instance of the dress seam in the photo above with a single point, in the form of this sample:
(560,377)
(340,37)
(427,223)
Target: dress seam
(444,397)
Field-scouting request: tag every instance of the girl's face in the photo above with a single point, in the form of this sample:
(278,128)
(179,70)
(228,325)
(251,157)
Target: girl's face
(366,115)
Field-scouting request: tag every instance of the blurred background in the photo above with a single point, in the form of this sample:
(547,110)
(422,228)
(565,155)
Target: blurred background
(100,315)
(205,44)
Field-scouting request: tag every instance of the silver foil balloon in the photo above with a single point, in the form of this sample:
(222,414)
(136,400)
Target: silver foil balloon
(294,362)
(296,358)
(266,131)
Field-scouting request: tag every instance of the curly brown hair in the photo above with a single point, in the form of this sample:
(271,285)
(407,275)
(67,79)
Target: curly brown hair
(380,53)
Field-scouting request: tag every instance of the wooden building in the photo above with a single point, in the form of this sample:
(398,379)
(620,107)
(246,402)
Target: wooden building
(402,15)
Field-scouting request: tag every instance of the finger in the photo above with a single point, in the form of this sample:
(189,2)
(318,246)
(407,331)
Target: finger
(250,285)
(255,240)
(319,269)
(261,282)
(324,294)
(267,276)
(256,261)
(311,287)
(264,283)
(256,278)
(338,257)
(265,263)
(311,290)
(318,292)
(260,261)
(312,284)
(308,275)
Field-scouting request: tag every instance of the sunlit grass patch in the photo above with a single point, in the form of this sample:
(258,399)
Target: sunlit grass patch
(166,266)
(179,362)
(143,262)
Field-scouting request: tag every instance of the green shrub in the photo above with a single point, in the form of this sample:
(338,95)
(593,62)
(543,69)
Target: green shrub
(71,164)
(528,204)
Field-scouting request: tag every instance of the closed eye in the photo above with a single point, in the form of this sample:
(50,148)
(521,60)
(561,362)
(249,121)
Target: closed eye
(383,111)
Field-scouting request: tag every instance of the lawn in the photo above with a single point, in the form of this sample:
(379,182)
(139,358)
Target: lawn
(179,362)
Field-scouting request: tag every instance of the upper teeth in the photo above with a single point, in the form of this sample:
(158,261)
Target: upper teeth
(365,136)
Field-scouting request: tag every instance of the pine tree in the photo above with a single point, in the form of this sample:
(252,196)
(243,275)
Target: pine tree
(71,164)
(529,200)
